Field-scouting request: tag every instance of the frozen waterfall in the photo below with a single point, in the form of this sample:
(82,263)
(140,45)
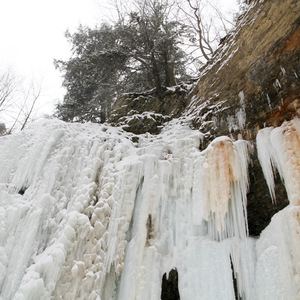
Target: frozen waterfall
(91,212)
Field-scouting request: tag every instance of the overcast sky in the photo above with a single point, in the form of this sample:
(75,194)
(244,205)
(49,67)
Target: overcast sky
(32,36)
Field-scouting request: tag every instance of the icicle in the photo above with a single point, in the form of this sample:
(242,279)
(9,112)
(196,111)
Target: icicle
(280,148)
(286,144)
(266,158)
(220,171)
(220,187)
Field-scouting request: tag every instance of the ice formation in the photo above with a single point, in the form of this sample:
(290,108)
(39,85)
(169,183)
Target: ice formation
(278,257)
(90,212)
(279,148)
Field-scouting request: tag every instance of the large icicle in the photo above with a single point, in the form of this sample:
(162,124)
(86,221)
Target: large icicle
(220,168)
(266,158)
(220,188)
(162,235)
(280,148)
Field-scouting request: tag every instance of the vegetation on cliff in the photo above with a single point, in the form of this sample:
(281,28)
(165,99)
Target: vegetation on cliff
(153,45)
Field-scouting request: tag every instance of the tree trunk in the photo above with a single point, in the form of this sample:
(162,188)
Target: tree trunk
(156,77)
(169,72)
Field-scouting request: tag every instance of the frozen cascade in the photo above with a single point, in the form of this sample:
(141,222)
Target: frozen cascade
(86,213)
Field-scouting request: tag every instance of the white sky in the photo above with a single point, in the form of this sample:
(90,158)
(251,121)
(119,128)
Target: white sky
(32,36)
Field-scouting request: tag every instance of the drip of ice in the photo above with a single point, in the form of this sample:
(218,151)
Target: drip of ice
(266,158)
(86,213)
(241,114)
(280,148)
(277,85)
(269,101)
(283,70)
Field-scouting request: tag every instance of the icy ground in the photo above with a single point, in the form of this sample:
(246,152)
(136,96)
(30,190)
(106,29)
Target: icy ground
(91,212)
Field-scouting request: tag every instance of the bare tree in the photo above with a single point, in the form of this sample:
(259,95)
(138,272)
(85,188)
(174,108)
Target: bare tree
(204,22)
(9,86)
(16,102)
(205,25)
(26,110)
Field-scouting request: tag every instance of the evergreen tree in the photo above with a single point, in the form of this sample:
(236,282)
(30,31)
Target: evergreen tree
(138,53)
(151,42)
(91,75)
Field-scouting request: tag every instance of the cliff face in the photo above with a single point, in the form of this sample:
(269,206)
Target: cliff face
(252,82)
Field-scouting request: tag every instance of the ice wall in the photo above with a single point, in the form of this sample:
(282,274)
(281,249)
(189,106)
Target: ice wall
(56,239)
(92,212)
(278,257)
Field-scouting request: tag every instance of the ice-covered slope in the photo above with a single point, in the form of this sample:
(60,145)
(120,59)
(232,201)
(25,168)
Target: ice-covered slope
(92,212)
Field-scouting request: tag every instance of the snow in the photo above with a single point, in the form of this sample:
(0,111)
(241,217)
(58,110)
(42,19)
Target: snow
(277,84)
(283,70)
(86,213)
